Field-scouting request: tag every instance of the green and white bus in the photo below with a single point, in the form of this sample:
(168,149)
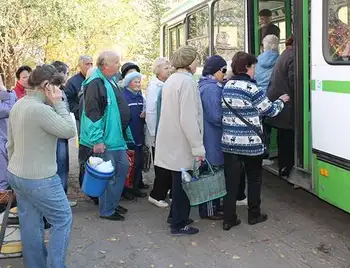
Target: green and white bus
(322,75)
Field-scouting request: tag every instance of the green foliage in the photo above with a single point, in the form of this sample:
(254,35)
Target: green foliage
(37,31)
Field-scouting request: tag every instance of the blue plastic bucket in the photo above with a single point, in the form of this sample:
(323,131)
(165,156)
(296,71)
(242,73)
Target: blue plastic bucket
(95,182)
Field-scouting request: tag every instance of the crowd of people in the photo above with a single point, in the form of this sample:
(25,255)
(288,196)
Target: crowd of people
(225,118)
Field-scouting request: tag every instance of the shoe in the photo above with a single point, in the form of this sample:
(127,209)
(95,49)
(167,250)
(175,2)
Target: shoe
(267,162)
(144,187)
(128,196)
(187,230)
(73,203)
(114,217)
(217,217)
(160,203)
(138,193)
(256,220)
(243,202)
(228,225)
(121,210)
(284,172)
(189,221)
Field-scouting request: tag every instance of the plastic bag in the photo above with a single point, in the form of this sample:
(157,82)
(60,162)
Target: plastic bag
(129,182)
(105,167)
(95,161)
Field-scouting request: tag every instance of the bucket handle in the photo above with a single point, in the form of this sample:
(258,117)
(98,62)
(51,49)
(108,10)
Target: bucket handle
(196,167)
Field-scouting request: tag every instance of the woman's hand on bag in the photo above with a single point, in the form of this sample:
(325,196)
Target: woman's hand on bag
(199,160)
(99,148)
(143,115)
(285,98)
(53,94)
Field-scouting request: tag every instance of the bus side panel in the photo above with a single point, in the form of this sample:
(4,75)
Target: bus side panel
(333,184)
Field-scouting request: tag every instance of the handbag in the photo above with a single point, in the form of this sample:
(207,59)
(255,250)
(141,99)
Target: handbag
(248,124)
(207,186)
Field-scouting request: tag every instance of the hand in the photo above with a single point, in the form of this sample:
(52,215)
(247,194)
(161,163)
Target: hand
(99,148)
(199,160)
(143,115)
(285,98)
(53,94)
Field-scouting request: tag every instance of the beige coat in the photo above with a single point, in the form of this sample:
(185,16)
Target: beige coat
(180,132)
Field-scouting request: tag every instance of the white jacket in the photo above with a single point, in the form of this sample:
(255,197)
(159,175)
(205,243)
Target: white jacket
(152,92)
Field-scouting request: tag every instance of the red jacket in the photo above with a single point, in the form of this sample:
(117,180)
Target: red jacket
(20,90)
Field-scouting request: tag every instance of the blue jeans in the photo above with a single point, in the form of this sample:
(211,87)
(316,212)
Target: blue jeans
(35,199)
(111,197)
(62,156)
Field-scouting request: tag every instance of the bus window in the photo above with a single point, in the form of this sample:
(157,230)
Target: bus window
(228,27)
(166,42)
(198,33)
(173,41)
(337,40)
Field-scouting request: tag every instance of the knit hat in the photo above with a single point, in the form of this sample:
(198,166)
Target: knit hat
(213,64)
(129,77)
(127,67)
(183,57)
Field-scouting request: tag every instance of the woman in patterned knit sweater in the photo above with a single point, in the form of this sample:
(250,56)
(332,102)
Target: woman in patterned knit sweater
(36,122)
(242,141)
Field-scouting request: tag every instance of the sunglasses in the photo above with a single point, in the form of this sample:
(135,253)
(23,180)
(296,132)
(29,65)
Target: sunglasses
(223,70)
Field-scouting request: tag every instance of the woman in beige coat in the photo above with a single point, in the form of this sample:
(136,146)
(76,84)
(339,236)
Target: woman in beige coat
(179,138)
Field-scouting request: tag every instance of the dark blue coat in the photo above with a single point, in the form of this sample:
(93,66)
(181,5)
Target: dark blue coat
(137,124)
(210,92)
(72,88)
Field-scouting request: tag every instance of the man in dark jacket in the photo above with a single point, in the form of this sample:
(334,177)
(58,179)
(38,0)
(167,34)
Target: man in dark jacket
(267,27)
(282,82)
(73,85)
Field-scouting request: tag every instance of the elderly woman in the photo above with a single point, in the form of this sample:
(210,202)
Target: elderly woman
(179,138)
(36,122)
(266,61)
(242,140)
(282,82)
(162,181)
(7,100)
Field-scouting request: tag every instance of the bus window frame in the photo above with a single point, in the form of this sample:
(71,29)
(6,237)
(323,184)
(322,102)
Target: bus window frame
(325,36)
(165,30)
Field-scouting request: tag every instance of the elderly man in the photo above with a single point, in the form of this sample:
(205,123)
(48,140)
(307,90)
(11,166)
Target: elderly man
(267,27)
(73,85)
(104,128)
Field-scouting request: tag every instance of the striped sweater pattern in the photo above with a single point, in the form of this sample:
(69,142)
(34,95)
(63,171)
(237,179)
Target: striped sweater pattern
(242,94)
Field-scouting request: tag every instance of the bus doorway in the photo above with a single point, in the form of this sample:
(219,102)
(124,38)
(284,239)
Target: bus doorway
(282,15)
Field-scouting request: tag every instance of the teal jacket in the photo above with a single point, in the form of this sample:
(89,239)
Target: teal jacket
(101,119)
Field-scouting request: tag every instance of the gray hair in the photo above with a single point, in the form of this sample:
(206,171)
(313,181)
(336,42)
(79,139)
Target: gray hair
(85,58)
(271,42)
(158,63)
(106,57)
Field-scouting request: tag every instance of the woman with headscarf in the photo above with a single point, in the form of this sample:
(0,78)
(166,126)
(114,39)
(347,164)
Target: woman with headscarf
(36,122)
(179,138)
(282,82)
(162,181)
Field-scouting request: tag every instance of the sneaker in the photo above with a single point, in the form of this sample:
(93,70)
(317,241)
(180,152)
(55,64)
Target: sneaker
(189,221)
(267,162)
(243,202)
(114,217)
(187,230)
(73,203)
(160,203)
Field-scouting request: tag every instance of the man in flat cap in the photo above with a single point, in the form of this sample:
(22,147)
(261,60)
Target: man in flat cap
(266,27)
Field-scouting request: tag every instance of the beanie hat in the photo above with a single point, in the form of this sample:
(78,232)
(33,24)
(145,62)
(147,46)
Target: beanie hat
(183,57)
(129,77)
(213,64)
(127,67)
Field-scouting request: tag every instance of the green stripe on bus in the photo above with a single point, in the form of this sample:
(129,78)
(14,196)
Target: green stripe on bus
(333,86)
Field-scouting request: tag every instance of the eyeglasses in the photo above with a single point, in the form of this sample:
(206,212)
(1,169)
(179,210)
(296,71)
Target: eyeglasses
(223,70)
